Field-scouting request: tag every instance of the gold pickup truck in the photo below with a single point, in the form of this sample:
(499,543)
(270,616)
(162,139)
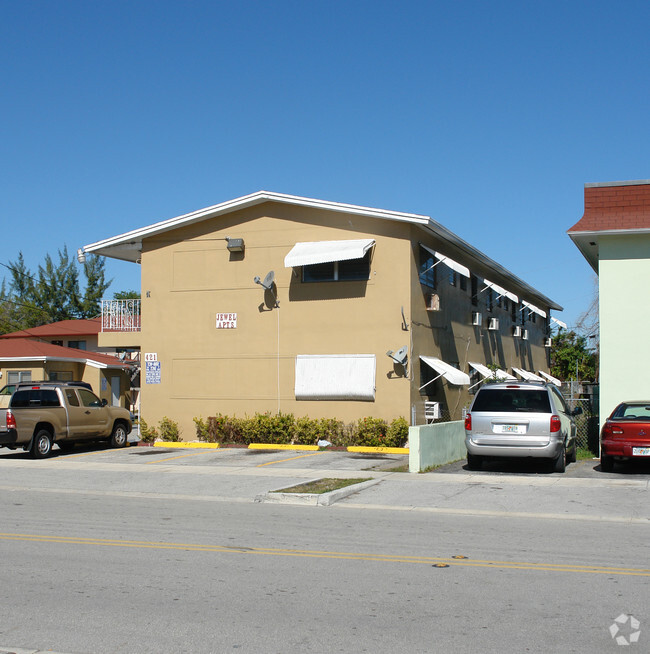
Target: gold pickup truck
(43,413)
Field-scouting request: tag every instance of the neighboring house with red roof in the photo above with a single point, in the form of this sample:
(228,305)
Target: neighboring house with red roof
(66,351)
(614,237)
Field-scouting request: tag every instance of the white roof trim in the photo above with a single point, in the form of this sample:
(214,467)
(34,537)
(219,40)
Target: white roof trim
(559,323)
(310,253)
(128,246)
(485,372)
(550,378)
(501,291)
(449,262)
(533,308)
(451,374)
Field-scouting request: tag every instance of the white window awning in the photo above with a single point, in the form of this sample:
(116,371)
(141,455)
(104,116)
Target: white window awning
(484,371)
(534,309)
(310,253)
(451,374)
(501,291)
(450,263)
(559,323)
(527,376)
(550,378)
(335,377)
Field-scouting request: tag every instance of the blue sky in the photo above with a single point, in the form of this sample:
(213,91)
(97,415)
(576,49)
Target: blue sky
(487,116)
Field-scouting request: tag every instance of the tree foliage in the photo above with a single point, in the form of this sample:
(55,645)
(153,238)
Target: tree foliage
(52,293)
(571,356)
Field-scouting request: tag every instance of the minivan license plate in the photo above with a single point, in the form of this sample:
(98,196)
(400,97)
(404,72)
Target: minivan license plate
(510,429)
(641,451)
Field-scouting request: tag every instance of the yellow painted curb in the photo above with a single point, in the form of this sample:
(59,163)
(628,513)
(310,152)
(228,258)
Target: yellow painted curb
(380,450)
(184,445)
(270,446)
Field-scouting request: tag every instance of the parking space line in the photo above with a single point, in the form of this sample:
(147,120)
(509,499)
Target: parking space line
(171,458)
(302,456)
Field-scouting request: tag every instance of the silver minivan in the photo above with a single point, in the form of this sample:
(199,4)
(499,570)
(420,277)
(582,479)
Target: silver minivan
(520,419)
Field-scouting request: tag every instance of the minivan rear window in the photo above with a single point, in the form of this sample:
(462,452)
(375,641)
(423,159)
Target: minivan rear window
(34,397)
(512,400)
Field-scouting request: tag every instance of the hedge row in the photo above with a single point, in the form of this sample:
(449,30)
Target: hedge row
(284,428)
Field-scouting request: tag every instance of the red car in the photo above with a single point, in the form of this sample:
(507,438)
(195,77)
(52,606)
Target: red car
(625,436)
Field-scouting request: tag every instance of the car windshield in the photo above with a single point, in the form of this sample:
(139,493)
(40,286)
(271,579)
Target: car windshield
(511,400)
(632,411)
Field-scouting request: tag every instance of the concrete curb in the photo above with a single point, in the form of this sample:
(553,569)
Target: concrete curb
(315,499)
(277,447)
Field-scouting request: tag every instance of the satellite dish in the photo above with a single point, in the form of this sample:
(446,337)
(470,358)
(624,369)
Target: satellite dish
(401,356)
(267,284)
(268,281)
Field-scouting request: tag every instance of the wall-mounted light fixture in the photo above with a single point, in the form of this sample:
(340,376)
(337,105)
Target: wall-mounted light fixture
(235,244)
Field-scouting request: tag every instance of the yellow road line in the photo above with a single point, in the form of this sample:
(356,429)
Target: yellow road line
(171,458)
(302,456)
(354,556)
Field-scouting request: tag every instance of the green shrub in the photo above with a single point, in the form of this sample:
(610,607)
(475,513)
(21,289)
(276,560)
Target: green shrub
(169,430)
(370,432)
(398,432)
(267,428)
(306,431)
(202,433)
(147,434)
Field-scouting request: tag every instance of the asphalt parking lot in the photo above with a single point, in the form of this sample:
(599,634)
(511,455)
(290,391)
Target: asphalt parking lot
(327,460)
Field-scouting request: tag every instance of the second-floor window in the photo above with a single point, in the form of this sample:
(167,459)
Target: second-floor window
(338,271)
(427,268)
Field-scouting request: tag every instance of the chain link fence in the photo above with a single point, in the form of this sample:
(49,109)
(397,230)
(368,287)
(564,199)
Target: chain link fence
(586,423)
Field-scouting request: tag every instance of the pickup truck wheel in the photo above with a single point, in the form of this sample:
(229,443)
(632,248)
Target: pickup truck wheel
(119,435)
(42,444)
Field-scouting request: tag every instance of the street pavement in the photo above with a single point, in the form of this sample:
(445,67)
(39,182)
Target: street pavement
(243,475)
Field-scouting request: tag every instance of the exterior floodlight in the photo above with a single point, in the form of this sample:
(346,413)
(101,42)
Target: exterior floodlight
(81,256)
(235,244)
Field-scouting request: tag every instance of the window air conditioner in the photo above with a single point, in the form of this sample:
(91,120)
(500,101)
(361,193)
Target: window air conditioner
(548,342)
(433,302)
(477,318)
(493,324)
(431,411)
(516,330)
(524,335)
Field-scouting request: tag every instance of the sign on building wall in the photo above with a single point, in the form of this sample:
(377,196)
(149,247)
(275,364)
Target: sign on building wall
(152,375)
(226,321)
(151,356)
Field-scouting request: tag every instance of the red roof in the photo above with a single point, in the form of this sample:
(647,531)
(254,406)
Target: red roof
(60,329)
(615,206)
(28,348)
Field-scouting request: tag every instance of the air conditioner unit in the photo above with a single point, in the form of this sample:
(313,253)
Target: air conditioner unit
(493,324)
(477,318)
(548,342)
(516,330)
(433,302)
(431,411)
(524,335)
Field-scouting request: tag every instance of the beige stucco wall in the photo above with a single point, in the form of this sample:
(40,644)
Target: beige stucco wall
(79,372)
(449,334)
(189,276)
(624,270)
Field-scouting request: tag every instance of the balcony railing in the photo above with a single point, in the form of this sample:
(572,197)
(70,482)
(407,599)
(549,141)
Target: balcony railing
(121,315)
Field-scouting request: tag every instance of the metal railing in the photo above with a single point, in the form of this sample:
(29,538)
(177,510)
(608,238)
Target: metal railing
(121,315)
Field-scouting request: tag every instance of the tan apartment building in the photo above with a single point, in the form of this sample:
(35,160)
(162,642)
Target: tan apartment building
(272,302)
